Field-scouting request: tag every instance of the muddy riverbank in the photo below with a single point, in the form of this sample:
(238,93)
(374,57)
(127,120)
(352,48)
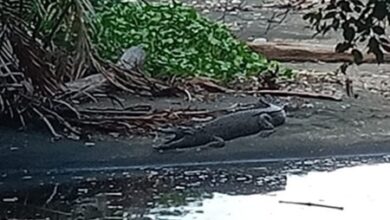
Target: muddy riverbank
(319,128)
(40,178)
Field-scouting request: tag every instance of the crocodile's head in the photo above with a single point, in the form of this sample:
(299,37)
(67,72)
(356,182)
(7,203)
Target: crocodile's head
(278,117)
(276,111)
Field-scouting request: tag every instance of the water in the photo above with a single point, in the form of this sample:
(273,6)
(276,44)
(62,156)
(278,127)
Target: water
(354,188)
(363,192)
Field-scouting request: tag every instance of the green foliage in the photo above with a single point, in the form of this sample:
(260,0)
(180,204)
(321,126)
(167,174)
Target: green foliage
(362,22)
(177,39)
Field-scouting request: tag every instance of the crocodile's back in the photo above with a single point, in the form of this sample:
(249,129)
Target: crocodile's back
(227,127)
(234,125)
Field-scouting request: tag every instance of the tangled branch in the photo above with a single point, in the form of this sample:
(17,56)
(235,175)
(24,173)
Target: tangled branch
(36,72)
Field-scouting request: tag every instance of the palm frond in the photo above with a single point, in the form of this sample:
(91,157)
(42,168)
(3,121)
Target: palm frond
(44,45)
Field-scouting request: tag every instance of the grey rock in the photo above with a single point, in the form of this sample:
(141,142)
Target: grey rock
(133,58)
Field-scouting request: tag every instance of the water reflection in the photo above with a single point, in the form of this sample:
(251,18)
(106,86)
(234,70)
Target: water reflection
(362,191)
(230,192)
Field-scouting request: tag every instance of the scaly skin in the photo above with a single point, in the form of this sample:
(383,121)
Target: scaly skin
(227,127)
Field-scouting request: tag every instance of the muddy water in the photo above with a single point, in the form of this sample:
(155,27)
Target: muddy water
(347,188)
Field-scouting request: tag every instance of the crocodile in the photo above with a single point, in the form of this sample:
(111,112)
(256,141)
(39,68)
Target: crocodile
(259,120)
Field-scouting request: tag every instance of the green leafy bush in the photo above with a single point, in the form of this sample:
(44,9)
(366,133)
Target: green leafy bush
(177,39)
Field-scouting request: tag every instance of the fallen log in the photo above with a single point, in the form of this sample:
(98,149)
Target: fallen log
(304,52)
(126,75)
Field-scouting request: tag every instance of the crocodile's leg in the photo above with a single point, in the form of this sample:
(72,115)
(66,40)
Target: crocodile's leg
(170,144)
(267,128)
(217,142)
(266,133)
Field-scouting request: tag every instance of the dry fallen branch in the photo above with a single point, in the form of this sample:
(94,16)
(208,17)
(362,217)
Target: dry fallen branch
(292,4)
(312,204)
(141,107)
(39,82)
(113,112)
(292,93)
(281,16)
(48,123)
(53,194)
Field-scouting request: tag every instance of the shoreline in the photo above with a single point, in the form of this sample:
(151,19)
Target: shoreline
(352,127)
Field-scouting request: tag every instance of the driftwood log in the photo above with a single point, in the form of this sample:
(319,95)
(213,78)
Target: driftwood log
(304,52)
